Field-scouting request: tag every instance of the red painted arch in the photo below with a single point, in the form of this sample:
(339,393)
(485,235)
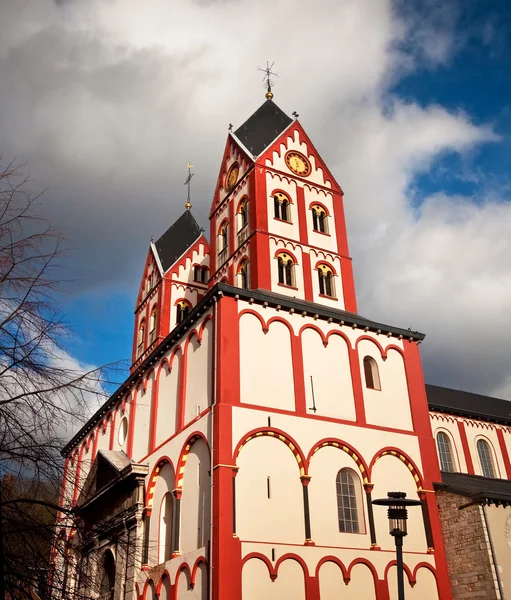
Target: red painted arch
(280,320)
(286,194)
(295,557)
(327,264)
(337,561)
(412,467)
(285,251)
(339,334)
(316,203)
(248,311)
(160,583)
(147,585)
(187,446)
(363,561)
(277,434)
(200,561)
(344,447)
(154,478)
(323,337)
(183,567)
(257,555)
(406,569)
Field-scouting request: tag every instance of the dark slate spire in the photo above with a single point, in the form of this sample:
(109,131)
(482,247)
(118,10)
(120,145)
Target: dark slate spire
(259,130)
(177,239)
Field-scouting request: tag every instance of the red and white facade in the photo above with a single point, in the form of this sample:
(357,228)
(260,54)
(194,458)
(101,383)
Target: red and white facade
(249,412)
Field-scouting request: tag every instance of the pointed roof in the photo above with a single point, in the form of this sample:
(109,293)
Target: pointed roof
(177,239)
(259,130)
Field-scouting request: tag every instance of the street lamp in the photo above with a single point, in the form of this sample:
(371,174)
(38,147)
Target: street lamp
(398,514)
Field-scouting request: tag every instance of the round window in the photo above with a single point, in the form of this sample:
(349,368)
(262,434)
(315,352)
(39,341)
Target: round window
(123,431)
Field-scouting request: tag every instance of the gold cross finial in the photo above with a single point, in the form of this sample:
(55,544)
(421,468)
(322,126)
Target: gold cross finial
(188,204)
(268,82)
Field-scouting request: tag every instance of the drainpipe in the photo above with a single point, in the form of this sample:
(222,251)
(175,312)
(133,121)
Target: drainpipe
(492,550)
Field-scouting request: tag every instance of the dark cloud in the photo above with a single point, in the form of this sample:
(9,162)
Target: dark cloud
(108,102)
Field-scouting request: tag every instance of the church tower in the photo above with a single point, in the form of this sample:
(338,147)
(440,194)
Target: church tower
(262,414)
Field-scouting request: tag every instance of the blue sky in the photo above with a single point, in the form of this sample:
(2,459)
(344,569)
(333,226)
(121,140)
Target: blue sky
(408,102)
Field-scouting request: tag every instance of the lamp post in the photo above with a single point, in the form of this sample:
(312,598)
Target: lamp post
(398,514)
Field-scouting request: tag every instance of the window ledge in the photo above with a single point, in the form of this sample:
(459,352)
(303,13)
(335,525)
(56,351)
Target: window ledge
(282,220)
(322,232)
(328,297)
(289,287)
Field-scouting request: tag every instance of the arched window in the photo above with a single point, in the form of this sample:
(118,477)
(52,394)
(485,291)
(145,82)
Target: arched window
(243,213)
(445,452)
(107,585)
(372,376)
(223,237)
(141,337)
(347,511)
(242,274)
(281,204)
(165,534)
(152,325)
(326,281)
(182,309)
(319,219)
(200,274)
(485,458)
(286,269)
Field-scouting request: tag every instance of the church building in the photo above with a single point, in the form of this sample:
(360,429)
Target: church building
(263,414)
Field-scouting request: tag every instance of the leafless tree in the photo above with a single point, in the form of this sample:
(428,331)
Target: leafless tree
(43,391)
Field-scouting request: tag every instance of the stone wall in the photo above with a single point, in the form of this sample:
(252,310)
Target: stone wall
(467,549)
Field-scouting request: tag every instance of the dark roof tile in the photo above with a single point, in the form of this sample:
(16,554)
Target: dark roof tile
(177,239)
(480,489)
(468,404)
(259,130)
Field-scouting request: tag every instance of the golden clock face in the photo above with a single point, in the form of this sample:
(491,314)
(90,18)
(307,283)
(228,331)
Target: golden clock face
(297,163)
(232,176)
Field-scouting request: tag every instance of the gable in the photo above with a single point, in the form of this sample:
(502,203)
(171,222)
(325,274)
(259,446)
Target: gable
(295,139)
(233,153)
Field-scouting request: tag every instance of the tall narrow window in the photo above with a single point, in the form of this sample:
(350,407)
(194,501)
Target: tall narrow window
(347,511)
(285,269)
(182,309)
(372,376)
(485,457)
(152,325)
(326,281)
(281,205)
(243,213)
(319,219)
(197,273)
(444,452)
(223,237)
(107,585)
(141,337)
(204,274)
(165,551)
(242,274)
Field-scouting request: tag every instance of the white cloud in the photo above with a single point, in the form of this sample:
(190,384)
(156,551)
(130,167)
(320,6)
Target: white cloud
(110,100)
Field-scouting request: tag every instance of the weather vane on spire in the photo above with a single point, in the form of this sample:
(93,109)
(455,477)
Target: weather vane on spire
(188,204)
(268,82)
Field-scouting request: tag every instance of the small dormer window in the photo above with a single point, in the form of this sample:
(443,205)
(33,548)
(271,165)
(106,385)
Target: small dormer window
(281,206)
